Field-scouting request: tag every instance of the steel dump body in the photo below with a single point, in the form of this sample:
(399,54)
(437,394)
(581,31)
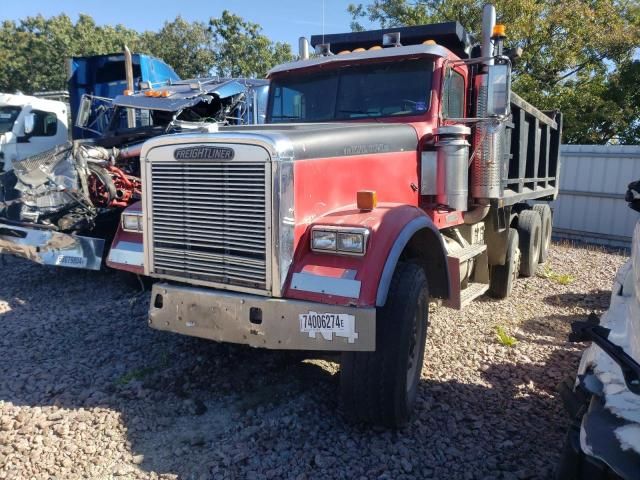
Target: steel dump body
(532,164)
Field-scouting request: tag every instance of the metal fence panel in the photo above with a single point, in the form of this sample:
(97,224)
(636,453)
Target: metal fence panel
(593,181)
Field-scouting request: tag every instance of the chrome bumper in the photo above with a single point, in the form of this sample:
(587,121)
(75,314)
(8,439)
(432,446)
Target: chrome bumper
(48,247)
(257,321)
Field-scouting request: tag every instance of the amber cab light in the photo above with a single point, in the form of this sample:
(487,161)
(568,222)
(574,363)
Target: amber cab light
(366,199)
(499,30)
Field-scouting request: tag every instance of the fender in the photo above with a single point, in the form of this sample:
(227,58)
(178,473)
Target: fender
(126,252)
(397,231)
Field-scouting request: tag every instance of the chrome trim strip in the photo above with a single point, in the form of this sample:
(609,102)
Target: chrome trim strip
(394,254)
(309,282)
(283,223)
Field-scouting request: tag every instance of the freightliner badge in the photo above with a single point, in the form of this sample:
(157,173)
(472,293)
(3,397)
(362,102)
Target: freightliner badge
(204,152)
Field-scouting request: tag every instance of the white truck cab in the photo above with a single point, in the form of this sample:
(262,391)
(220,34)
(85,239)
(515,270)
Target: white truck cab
(29,125)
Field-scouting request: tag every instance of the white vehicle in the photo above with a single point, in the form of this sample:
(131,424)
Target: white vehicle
(603,441)
(28,126)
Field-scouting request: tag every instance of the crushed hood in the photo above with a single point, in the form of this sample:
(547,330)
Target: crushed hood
(184,95)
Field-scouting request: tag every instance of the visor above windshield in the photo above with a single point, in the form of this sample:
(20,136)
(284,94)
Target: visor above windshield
(364,91)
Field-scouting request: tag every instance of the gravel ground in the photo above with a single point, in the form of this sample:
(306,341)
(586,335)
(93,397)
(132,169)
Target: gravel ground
(87,390)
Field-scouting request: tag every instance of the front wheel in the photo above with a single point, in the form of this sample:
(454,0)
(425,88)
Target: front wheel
(381,387)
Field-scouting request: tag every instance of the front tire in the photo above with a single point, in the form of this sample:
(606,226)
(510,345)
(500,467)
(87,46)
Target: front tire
(381,387)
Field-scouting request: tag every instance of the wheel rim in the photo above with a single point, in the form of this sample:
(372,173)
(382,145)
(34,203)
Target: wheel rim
(414,347)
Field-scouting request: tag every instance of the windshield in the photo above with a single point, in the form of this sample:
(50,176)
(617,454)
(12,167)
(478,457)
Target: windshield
(8,117)
(400,87)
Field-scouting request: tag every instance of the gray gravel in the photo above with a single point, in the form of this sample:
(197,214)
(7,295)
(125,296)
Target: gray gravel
(87,390)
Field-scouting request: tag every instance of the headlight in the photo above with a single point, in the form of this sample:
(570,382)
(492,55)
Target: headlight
(345,240)
(323,240)
(132,222)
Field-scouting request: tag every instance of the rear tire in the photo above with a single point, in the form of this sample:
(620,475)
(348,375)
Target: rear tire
(380,387)
(546,217)
(530,232)
(502,277)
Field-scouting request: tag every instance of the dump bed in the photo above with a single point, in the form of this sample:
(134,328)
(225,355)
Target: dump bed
(532,161)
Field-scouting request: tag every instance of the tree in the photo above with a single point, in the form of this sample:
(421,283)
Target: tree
(33,51)
(577,54)
(189,47)
(242,50)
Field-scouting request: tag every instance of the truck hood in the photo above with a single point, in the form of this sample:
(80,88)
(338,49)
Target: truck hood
(322,140)
(182,95)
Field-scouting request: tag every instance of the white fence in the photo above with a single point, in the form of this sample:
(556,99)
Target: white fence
(593,181)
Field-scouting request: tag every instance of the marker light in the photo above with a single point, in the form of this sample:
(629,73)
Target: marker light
(358,50)
(500,30)
(429,42)
(343,52)
(128,93)
(367,199)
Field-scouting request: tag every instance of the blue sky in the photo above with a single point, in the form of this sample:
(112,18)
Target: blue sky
(282,20)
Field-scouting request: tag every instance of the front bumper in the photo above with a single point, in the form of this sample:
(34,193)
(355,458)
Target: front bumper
(49,247)
(274,323)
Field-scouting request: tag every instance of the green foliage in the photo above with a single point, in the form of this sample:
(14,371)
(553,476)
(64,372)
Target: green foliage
(504,338)
(34,50)
(559,278)
(189,47)
(242,51)
(578,55)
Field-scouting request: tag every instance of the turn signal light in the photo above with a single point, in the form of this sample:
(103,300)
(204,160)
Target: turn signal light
(366,199)
(128,93)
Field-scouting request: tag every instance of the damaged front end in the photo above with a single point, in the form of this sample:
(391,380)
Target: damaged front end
(58,207)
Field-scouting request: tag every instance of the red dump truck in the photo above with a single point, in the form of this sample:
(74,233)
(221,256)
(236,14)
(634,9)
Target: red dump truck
(397,168)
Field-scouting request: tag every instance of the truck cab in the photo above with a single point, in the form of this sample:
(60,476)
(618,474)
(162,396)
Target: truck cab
(28,126)
(395,169)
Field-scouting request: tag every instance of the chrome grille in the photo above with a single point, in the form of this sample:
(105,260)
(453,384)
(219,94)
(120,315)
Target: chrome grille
(208,221)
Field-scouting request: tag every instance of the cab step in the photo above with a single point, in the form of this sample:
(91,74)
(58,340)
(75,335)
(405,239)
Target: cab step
(477,285)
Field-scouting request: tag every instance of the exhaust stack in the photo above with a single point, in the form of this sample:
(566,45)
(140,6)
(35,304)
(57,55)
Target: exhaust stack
(488,22)
(489,136)
(303,48)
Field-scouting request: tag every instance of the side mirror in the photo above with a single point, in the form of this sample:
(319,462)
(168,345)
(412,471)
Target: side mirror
(84,112)
(29,123)
(499,90)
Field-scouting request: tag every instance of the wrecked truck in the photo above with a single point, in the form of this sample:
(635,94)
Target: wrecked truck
(62,207)
(603,399)
(398,168)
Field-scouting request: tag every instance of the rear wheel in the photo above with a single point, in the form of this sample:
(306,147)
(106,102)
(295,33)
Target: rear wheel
(546,218)
(530,232)
(380,387)
(504,276)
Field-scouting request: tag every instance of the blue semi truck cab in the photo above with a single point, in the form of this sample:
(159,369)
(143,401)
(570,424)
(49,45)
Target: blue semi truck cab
(103,76)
